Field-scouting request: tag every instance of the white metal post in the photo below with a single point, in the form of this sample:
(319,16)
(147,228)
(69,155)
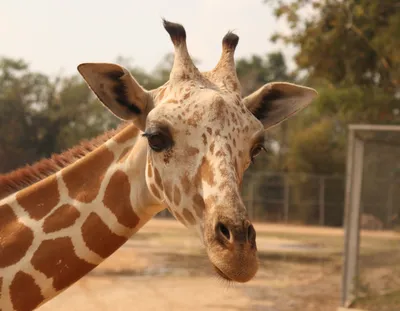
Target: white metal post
(352,218)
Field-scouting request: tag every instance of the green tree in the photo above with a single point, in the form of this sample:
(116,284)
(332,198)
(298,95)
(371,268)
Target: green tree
(348,47)
(40,115)
(349,51)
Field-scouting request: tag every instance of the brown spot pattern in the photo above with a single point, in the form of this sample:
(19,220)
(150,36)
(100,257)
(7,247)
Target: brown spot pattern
(99,238)
(209,130)
(220,153)
(204,139)
(157,178)
(188,216)
(185,183)
(177,196)
(191,151)
(117,199)
(199,205)
(57,259)
(229,149)
(39,199)
(25,294)
(63,217)
(207,173)
(194,119)
(168,189)
(149,171)
(218,109)
(15,237)
(223,185)
(126,134)
(84,180)
(167,155)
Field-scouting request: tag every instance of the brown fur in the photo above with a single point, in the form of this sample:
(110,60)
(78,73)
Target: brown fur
(24,283)
(63,217)
(117,199)
(12,250)
(62,264)
(30,174)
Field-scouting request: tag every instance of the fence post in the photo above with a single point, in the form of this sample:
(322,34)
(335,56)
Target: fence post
(285,198)
(354,173)
(389,206)
(322,201)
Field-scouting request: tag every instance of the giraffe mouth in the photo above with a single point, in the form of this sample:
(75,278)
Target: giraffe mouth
(221,274)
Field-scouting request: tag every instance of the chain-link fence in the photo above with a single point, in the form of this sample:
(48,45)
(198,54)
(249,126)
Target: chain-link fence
(294,198)
(371,276)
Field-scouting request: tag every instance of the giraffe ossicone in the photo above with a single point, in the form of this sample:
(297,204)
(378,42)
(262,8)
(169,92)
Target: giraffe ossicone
(185,147)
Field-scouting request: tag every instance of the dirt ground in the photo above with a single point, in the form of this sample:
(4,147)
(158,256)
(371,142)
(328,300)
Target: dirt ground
(163,267)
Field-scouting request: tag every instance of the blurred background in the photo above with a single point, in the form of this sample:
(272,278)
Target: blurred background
(348,50)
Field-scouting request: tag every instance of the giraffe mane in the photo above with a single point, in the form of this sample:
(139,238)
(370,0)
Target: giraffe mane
(28,175)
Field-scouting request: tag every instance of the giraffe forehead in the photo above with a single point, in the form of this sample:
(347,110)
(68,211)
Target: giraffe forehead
(203,110)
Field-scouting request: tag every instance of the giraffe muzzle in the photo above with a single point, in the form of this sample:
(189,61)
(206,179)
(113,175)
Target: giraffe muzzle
(231,247)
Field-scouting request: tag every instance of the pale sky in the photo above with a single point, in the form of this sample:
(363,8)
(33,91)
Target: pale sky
(54,36)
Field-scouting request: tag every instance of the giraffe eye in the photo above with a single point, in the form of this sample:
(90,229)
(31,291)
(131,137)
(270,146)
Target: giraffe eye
(256,151)
(159,140)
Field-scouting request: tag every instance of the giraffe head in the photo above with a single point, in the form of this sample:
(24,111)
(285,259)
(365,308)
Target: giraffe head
(202,135)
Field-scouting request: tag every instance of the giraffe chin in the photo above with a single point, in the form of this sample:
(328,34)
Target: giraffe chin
(233,267)
(240,274)
(221,274)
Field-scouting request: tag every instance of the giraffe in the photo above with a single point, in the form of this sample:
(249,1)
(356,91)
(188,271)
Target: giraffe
(184,147)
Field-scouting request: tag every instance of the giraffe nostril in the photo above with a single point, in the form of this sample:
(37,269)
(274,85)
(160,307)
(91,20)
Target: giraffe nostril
(224,230)
(251,233)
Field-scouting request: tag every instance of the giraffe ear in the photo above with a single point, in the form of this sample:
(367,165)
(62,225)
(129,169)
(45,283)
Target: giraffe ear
(118,91)
(275,102)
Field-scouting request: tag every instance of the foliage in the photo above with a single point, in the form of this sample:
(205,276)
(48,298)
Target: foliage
(345,42)
(349,51)
(256,71)
(41,115)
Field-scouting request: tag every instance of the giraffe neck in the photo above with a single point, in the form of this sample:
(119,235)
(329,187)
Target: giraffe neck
(54,232)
